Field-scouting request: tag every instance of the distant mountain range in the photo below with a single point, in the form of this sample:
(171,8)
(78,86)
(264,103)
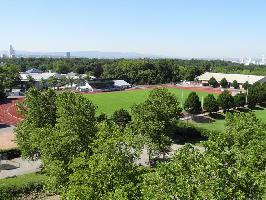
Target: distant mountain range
(82,54)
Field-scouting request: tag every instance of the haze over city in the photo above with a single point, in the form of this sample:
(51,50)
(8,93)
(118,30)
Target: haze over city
(200,29)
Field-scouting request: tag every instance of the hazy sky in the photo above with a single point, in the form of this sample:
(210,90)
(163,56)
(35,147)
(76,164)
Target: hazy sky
(180,28)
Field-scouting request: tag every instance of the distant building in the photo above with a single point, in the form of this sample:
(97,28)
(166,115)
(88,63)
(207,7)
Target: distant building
(38,77)
(68,54)
(12,53)
(103,85)
(240,78)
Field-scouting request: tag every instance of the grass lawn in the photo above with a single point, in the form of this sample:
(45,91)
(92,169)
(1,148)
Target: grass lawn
(218,124)
(14,187)
(112,101)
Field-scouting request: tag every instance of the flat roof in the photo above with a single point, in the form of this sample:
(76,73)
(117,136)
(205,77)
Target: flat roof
(240,78)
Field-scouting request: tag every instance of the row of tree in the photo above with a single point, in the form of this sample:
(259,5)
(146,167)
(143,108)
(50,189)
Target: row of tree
(256,94)
(224,83)
(137,71)
(87,157)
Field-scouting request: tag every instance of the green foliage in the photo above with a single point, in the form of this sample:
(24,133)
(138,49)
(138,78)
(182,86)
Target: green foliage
(235,84)
(56,128)
(153,119)
(224,83)
(31,82)
(40,111)
(61,67)
(231,167)
(9,77)
(192,104)
(240,100)
(109,173)
(240,153)
(12,188)
(121,117)
(102,117)
(73,132)
(213,82)
(225,100)
(210,104)
(246,85)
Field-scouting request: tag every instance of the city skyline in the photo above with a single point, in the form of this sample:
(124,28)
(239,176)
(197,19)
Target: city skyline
(170,29)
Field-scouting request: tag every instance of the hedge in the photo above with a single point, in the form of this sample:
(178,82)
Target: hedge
(12,188)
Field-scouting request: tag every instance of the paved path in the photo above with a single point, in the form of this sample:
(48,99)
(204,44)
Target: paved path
(23,167)
(144,157)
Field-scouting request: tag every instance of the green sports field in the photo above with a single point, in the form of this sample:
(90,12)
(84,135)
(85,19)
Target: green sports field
(112,101)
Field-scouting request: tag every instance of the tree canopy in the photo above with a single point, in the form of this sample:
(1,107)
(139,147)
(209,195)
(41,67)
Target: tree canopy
(192,104)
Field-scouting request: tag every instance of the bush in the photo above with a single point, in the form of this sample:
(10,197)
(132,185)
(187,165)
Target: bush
(210,104)
(246,85)
(12,188)
(225,100)
(121,117)
(224,83)
(240,100)
(212,82)
(102,117)
(235,84)
(10,154)
(192,104)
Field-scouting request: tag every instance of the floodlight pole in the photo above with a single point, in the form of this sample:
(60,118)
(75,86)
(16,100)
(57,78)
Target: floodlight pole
(247,96)
(202,101)
(182,95)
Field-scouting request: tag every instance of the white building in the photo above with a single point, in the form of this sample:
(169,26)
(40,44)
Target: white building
(240,78)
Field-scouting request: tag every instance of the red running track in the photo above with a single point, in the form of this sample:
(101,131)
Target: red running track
(8,112)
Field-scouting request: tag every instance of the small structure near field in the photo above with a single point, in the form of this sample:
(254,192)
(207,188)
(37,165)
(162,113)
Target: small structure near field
(240,78)
(103,85)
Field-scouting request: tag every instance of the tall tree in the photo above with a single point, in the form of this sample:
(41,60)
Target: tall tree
(225,100)
(39,109)
(154,118)
(210,104)
(224,83)
(229,168)
(192,104)
(109,173)
(11,76)
(235,84)
(213,82)
(72,134)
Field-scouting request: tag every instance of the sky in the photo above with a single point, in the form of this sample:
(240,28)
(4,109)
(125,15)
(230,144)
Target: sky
(171,28)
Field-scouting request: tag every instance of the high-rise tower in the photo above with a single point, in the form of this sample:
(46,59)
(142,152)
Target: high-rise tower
(12,53)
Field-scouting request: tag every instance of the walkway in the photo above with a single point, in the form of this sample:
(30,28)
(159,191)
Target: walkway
(18,167)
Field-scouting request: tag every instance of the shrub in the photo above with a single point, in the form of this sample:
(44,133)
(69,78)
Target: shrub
(12,188)
(121,117)
(225,100)
(246,85)
(240,100)
(224,83)
(192,104)
(212,82)
(210,103)
(235,84)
